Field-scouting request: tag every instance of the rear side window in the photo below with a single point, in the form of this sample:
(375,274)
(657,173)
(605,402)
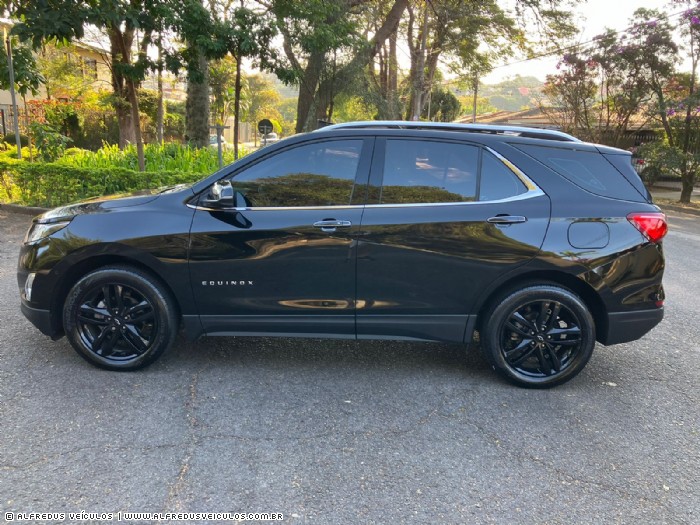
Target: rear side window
(422,172)
(587,169)
(427,171)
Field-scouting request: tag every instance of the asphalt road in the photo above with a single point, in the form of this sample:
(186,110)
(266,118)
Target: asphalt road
(356,432)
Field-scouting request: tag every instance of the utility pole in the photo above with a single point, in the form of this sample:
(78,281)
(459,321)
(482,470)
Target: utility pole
(13,95)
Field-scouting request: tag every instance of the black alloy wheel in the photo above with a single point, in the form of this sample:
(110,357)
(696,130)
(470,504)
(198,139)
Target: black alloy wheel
(540,336)
(119,318)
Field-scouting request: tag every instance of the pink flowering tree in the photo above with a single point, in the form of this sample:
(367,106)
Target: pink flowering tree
(602,89)
(678,108)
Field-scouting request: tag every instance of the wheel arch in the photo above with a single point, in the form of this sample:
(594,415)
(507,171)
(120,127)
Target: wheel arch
(89,264)
(581,288)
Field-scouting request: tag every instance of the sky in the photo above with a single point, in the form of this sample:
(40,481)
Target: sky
(593,17)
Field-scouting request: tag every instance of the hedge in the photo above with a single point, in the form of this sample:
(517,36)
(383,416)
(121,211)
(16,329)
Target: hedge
(50,184)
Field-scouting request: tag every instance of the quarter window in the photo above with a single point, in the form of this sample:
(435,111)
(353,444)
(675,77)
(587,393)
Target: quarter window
(497,180)
(318,174)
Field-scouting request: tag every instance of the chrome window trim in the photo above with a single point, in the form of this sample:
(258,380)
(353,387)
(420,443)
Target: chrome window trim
(532,191)
(277,208)
(527,181)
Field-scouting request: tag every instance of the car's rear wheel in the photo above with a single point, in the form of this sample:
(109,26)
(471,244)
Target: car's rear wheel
(119,318)
(540,336)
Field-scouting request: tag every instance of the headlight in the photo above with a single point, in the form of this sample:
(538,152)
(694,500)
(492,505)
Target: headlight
(40,231)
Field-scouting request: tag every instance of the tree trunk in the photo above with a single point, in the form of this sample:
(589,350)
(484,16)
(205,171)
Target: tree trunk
(394,110)
(687,188)
(120,51)
(136,122)
(126,130)
(197,105)
(307,92)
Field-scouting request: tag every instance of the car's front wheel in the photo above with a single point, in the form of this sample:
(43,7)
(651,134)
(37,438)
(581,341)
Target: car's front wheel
(119,318)
(539,336)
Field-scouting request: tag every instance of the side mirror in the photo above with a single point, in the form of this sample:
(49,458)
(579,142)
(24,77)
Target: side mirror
(221,195)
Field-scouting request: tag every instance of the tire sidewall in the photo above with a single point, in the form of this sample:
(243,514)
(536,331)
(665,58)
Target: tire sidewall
(498,315)
(145,285)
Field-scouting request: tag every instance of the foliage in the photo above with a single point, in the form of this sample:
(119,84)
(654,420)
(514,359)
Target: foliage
(602,88)
(444,106)
(10,139)
(350,108)
(63,76)
(678,104)
(222,78)
(656,156)
(165,157)
(50,143)
(483,105)
(28,78)
(53,184)
(261,100)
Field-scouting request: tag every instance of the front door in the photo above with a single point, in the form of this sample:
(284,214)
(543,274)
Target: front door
(283,260)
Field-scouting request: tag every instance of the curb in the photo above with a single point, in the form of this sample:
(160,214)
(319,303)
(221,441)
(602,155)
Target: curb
(678,209)
(24,210)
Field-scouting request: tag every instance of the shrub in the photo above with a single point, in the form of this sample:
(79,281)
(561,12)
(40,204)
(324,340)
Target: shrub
(11,140)
(50,143)
(54,184)
(166,157)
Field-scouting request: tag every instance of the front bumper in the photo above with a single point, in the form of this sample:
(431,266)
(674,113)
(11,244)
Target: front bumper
(41,319)
(624,327)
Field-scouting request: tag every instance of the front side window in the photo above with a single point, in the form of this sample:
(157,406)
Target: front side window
(424,172)
(318,174)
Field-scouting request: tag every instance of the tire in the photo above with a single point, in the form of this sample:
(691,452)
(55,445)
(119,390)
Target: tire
(119,318)
(539,336)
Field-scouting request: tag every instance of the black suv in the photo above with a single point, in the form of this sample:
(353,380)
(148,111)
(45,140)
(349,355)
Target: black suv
(529,241)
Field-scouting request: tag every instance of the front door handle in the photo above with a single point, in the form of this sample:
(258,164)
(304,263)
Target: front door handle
(506,219)
(330,225)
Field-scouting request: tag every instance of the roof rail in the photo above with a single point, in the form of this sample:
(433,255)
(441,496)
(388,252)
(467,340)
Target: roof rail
(516,131)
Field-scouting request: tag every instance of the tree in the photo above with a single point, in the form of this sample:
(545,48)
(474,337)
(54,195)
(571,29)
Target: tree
(62,79)
(444,106)
(66,21)
(222,77)
(471,34)
(571,96)
(249,34)
(261,101)
(678,105)
(325,50)
(27,77)
(603,87)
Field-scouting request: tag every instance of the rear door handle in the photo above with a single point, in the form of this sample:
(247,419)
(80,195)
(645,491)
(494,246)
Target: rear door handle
(506,219)
(330,225)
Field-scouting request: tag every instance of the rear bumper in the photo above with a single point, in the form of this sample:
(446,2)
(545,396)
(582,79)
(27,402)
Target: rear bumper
(624,327)
(41,319)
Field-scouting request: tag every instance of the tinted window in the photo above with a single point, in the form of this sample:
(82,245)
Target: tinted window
(497,180)
(423,171)
(319,174)
(586,169)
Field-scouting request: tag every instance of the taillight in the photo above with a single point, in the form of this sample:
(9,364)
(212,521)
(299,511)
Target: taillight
(652,224)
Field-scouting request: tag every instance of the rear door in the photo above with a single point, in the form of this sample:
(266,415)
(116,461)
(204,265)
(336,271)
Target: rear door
(444,219)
